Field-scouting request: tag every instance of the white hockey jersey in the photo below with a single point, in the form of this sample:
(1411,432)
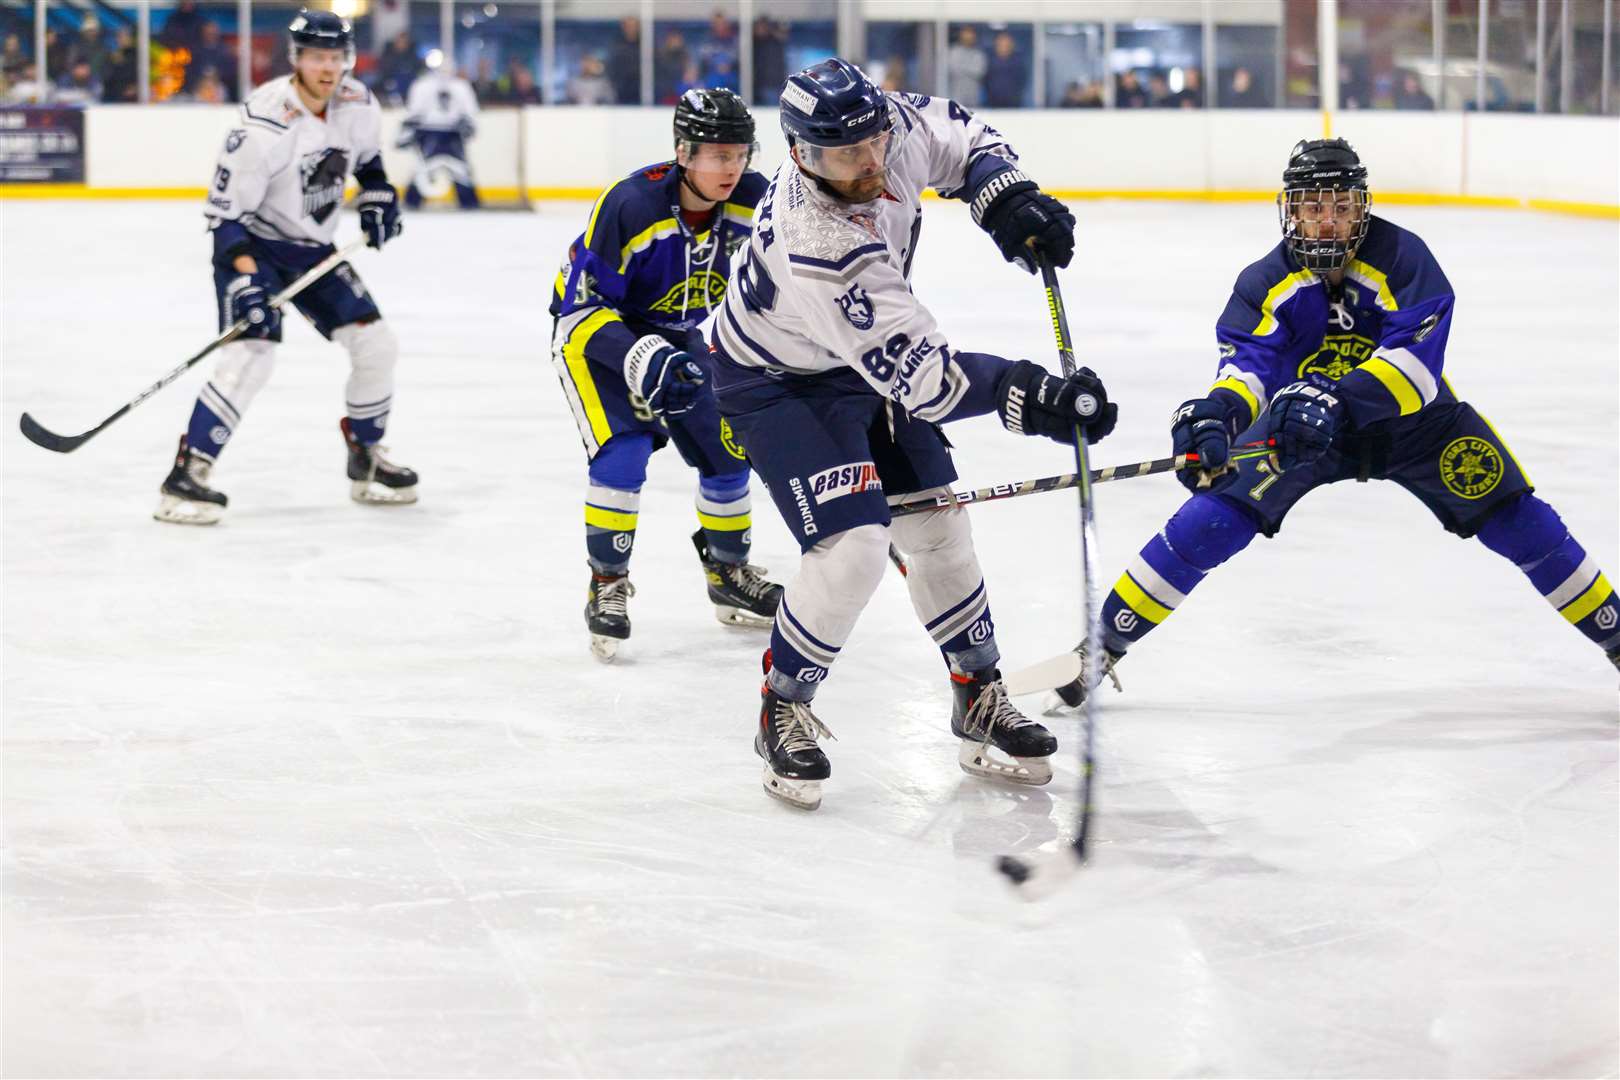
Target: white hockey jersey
(825,285)
(439,101)
(282,170)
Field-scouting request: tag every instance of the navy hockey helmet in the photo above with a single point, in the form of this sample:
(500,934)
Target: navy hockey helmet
(833,106)
(320,30)
(1324,193)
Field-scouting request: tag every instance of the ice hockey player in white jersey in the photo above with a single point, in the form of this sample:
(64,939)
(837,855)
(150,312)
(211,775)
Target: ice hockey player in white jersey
(273,207)
(441,116)
(834,378)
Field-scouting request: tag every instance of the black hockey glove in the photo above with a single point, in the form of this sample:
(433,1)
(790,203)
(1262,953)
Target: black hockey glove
(1032,401)
(1206,427)
(1302,422)
(667,378)
(379,215)
(248,300)
(1024,221)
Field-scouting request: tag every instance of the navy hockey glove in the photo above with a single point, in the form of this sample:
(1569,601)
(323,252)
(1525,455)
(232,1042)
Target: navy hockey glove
(247,300)
(379,215)
(1206,427)
(1302,423)
(1024,221)
(1032,401)
(667,378)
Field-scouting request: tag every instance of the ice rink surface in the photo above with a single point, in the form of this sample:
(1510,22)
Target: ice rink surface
(337,790)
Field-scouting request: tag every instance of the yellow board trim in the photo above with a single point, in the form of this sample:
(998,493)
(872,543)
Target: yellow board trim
(617,520)
(1268,316)
(1139,601)
(1386,298)
(1241,389)
(735,523)
(1589,601)
(579,370)
(1396,382)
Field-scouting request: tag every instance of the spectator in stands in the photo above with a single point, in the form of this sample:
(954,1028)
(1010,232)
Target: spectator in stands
(183,28)
(965,66)
(1411,94)
(210,54)
(624,61)
(26,88)
(77,85)
(485,86)
(1006,74)
(209,88)
(1158,91)
(1128,92)
(119,85)
(1076,96)
(770,58)
(12,58)
(88,45)
(670,68)
(718,54)
(523,91)
(892,75)
(396,68)
(591,85)
(1191,94)
(1243,93)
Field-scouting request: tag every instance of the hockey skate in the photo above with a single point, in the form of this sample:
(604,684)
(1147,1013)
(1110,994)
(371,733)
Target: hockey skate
(794,765)
(739,591)
(607,614)
(187,498)
(998,741)
(373,478)
(1070,696)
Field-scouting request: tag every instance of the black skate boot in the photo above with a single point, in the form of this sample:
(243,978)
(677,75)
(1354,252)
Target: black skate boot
(794,764)
(607,613)
(187,498)
(985,718)
(373,478)
(1071,695)
(739,592)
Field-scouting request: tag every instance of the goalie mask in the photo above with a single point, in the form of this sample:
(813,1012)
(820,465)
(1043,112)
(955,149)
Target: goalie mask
(1324,204)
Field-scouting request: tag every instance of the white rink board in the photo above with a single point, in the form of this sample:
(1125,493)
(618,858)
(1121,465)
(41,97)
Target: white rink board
(335,790)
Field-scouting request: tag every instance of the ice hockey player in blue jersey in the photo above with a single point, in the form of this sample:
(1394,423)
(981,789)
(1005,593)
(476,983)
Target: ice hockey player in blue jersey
(1334,346)
(835,379)
(273,207)
(649,268)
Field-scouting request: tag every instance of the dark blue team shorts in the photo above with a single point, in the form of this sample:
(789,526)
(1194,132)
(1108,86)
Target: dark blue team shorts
(337,299)
(603,407)
(1448,456)
(829,448)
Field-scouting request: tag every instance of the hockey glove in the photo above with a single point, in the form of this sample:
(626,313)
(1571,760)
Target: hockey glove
(1024,221)
(247,300)
(1302,422)
(1032,401)
(1206,427)
(379,215)
(667,378)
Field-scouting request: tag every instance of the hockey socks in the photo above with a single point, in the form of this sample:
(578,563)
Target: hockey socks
(610,527)
(724,512)
(1531,535)
(1204,533)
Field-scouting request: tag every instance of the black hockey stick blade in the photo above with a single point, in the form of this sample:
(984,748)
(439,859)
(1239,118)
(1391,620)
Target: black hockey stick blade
(39,435)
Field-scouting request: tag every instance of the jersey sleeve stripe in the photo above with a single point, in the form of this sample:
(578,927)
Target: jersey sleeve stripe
(590,226)
(1399,386)
(1277,296)
(836,264)
(1414,370)
(643,240)
(1245,385)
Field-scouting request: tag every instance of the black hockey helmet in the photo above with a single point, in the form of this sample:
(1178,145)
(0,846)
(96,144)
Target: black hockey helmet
(713,116)
(1319,174)
(320,30)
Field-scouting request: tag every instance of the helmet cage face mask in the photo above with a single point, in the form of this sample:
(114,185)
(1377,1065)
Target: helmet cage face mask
(861,160)
(1305,210)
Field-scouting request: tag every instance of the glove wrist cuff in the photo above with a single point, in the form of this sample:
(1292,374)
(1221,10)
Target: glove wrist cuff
(995,189)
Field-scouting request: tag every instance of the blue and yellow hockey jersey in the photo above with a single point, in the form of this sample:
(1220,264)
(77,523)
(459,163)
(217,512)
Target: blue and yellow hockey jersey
(1378,339)
(638,268)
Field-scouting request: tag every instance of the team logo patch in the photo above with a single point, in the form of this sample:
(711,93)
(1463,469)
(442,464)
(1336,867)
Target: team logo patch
(234,140)
(1124,620)
(728,439)
(1426,327)
(1339,355)
(841,480)
(621,541)
(1606,617)
(704,289)
(1470,467)
(323,173)
(980,632)
(797,96)
(1228,350)
(857,308)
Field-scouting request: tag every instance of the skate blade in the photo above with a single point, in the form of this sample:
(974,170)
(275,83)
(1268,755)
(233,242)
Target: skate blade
(605,649)
(177,511)
(733,616)
(375,494)
(988,763)
(799,794)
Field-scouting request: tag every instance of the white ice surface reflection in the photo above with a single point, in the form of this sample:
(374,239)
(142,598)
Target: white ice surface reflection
(334,790)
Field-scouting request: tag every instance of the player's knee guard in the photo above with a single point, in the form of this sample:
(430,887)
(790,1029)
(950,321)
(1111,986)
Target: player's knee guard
(373,351)
(1523,530)
(1207,531)
(821,604)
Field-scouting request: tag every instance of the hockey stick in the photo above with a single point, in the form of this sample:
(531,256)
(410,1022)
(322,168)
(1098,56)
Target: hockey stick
(1067,480)
(1035,876)
(39,435)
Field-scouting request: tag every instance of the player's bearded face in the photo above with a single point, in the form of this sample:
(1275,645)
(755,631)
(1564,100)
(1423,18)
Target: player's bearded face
(1326,214)
(856,171)
(715,168)
(320,70)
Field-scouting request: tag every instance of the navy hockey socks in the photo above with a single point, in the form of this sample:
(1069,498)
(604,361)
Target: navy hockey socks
(610,527)
(1532,536)
(724,509)
(212,420)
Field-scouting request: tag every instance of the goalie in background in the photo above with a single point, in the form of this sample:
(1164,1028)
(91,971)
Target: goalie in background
(441,115)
